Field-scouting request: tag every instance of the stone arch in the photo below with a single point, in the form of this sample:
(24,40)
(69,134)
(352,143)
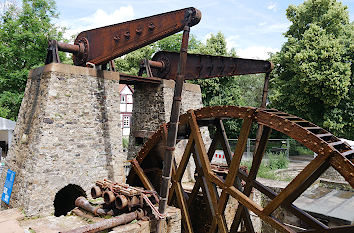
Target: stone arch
(64,200)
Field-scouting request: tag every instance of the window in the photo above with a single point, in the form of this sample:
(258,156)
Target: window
(129,99)
(123,99)
(126,121)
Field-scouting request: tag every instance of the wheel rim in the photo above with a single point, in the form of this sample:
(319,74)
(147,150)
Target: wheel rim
(331,152)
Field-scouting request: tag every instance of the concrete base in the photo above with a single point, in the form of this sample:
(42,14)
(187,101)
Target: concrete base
(68,132)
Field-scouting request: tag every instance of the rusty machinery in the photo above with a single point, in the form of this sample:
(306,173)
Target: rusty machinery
(98,47)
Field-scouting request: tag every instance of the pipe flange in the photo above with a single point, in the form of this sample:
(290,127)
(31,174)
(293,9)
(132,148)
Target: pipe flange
(163,72)
(80,58)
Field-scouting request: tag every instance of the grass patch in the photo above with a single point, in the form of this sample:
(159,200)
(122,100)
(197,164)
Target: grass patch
(303,150)
(266,169)
(277,160)
(125,142)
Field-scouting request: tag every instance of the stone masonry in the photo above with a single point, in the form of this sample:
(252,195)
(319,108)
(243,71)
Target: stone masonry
(68,132)
(152,107)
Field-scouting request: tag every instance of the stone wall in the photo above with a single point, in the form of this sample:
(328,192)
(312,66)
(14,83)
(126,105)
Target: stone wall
(68,132)
(152,107)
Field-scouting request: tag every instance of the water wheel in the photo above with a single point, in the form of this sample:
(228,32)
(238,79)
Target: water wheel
(331,152)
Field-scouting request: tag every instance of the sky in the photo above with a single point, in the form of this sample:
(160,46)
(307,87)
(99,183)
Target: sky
(252,27)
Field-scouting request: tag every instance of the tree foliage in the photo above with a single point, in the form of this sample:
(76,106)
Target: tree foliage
(24,34)
(313,73)
(130,63)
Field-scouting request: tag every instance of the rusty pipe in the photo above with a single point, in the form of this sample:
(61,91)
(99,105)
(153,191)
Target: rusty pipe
(134,201)
(157,64)
(121,202)
(108,197)
(96,192)
(71,48)
(83,203)
(109,223)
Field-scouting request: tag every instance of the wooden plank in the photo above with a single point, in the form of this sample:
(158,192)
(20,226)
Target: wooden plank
(198,182)
(202,157)
(235,160)
(256,162)
(310,220)
(312,178)
(184,161)
(224,196)
(240,148)
(204,186)
(295,183)
(257,210)
(187,224)
(223,141)
(139,171)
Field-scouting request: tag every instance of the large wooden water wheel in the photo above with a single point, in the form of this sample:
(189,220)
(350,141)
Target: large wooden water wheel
(331,152)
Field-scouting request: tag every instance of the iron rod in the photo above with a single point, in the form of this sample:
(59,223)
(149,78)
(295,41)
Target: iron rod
(172,129)
(108,223)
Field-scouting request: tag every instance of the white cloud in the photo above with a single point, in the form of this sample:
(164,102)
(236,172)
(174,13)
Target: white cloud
(101,18)
(231,42)
(98,19)
(255,52)
(273,28)
(272,6)
(206,37)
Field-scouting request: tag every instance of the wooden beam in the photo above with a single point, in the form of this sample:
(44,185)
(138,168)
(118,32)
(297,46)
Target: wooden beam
(256,162)
(295,183)
(202,158)
(139,171)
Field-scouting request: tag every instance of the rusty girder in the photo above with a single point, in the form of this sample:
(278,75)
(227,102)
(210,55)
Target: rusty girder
(331,152)
(101,45)
(199,66)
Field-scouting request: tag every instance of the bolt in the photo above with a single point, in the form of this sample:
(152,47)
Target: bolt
(138,31)
(127,35)
(116,38)
(151,26)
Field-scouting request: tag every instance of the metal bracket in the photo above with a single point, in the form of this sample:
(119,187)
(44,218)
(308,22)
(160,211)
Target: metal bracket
(52,52)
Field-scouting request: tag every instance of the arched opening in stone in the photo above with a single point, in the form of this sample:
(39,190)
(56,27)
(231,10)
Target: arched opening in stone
(64,200)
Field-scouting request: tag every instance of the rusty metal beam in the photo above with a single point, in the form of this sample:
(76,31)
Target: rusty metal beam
(132,80)
(199,66)
(99,46)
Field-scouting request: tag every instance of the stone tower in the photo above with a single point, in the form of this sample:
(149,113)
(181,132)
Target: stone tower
(152,107)
(68,135)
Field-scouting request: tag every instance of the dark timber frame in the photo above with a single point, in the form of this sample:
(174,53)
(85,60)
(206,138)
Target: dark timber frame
(331,152)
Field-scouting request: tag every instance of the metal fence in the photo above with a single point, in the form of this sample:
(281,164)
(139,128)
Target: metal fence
(273,145)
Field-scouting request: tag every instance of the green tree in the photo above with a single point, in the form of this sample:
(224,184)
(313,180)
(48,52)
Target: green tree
(243,90)
(24,34)
(130,63)
(313,72)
